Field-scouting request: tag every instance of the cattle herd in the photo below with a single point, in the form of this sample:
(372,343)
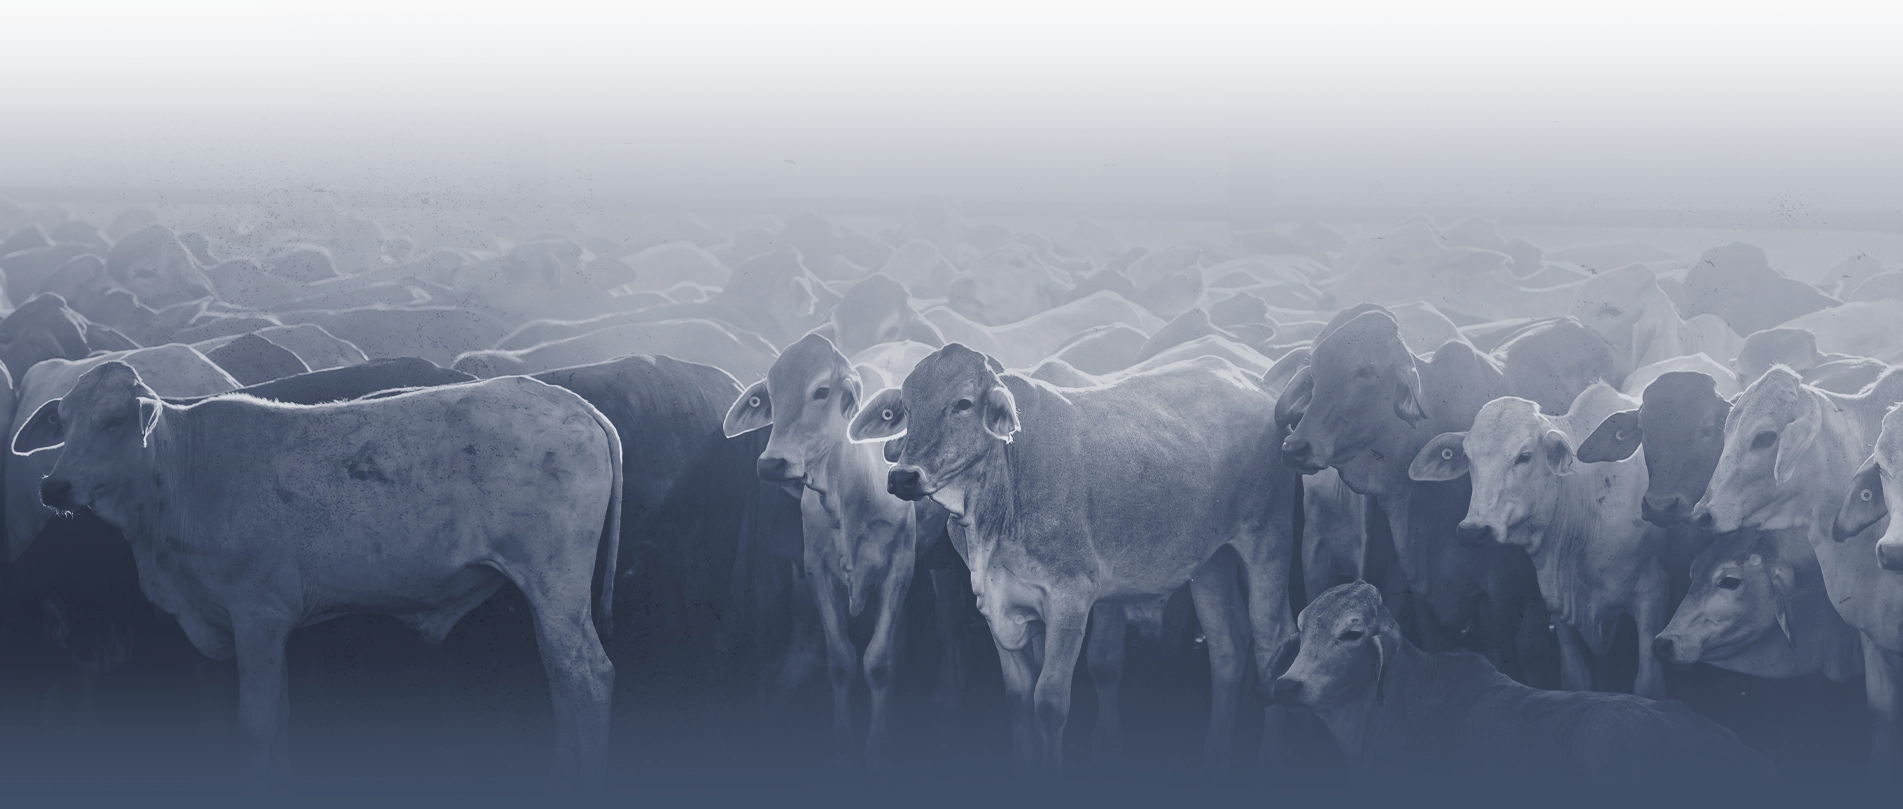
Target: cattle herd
(1425,500)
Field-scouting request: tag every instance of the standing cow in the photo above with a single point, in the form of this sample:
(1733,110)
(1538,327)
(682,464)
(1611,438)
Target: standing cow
(1062,499)
(1597,562)
(250,519)
(860,541)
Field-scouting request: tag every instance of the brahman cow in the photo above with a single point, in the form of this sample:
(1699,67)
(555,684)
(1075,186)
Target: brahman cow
(1395,709)
(250,519)
(1596,562)
(1790,453)
(860,541)
(1365,407)
(1064,499)
(1757,606)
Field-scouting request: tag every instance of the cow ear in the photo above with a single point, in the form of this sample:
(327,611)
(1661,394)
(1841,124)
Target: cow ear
(1407,398)
(1444,458)
(849,394)
(1001,413)
(1863,505)
(882,417)
(993,363)
(894,448)
(753,410)
(1285,656)
(1293,403)
(1558,451)
(1615,439)
(1380,667)
(42,431)
(149,410)
(1779,577)
(1795,439)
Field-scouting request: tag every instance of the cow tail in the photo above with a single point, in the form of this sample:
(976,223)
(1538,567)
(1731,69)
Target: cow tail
(607,556)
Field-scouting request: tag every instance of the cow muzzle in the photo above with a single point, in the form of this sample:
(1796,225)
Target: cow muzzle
(1287,691)
(1890,554)
(1299,455)
(776,470)
(1475,533)
(1663,511)
(57,494)
(906,483)
(1671,652)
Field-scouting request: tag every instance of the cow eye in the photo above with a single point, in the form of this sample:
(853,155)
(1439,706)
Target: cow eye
(1352,634)
(961,405)
(115,422)
(1365,372)
(1764,439)
(1730,583)
(822,392)
(1525,456)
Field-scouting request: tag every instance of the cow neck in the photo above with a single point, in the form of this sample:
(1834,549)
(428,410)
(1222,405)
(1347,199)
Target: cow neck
(1367,727)
(1568,544)
(1841,446)
(170,457)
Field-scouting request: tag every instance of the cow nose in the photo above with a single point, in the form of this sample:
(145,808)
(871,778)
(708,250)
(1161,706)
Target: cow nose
(1298,454)
(1287,690)
(905,483)
(772,469)
(57,493)
(1662,648)
(1890,555)
(1703,520)
(1662,510)
(1473,533)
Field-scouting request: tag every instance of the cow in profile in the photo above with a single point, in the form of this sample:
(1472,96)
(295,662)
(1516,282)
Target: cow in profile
(250,519)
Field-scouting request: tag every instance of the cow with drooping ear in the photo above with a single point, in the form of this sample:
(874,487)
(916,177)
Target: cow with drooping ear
(421,505)
(1070,503)
(1595,564)
(860,543)
(1757,606)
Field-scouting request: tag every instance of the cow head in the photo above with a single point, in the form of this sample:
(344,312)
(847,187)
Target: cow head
(1362,385)
(42,328)
(1681,423)
(153,265)
(1737,614)
(105,424)
(1514,458)
(1874,494)
(1767,438)
(953,410)
(1345,643)
(808,397)
(776,287)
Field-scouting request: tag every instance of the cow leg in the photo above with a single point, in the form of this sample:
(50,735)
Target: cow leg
(1217,593)
(882,653)
(1065,621)
(1266,561)
(1109,629)
(1575,660)
(1651,612)
(1020,682)
(842,659)
(580,678)
(1882,676)
(263,695)
(949,600)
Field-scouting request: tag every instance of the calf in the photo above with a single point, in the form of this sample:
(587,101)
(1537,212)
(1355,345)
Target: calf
(1391,706)
(860,542)
(1596,562)
(1062,499)
(1757,606)
(250,519)
(1790,453)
